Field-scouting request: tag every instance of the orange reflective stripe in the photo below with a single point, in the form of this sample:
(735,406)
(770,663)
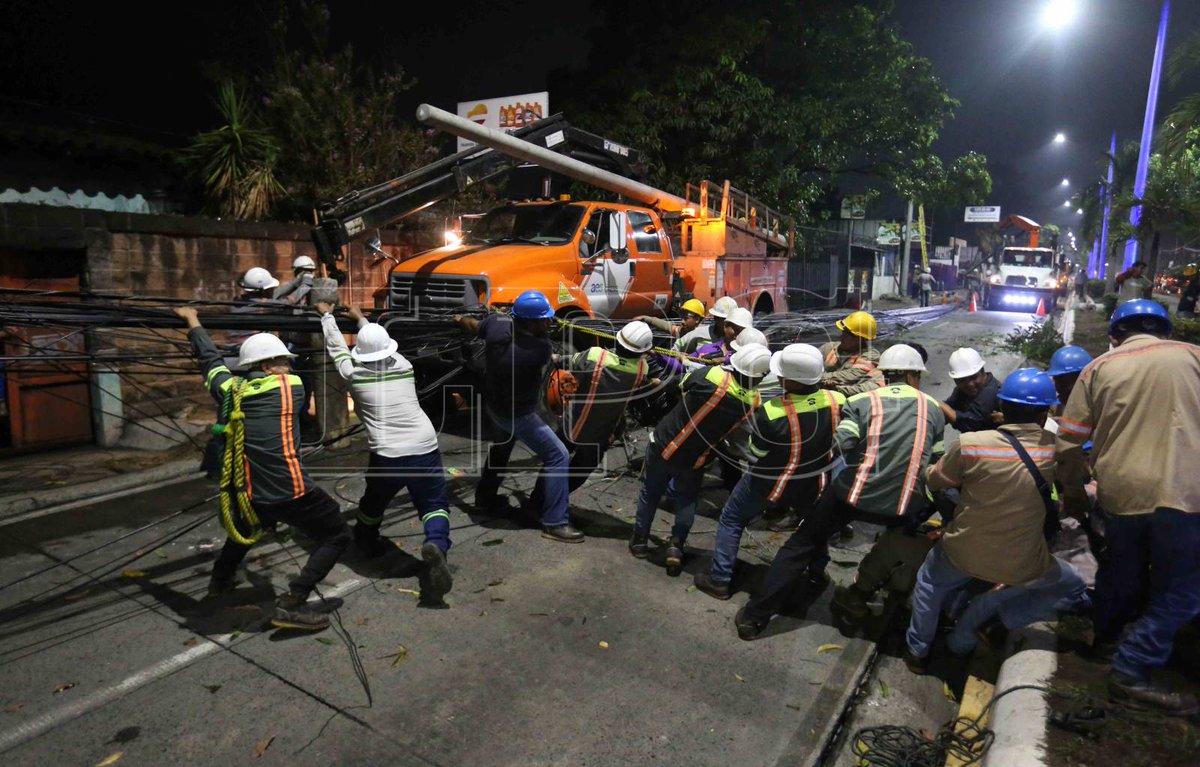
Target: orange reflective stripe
(914,461)
(832,357)
(874,429)
(587,407)
(694,422)
(288,439)
(1093,367)
(794,457)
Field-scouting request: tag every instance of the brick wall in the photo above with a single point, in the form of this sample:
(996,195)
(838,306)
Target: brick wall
(177,257)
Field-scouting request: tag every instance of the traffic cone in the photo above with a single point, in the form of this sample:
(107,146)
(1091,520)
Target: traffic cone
(1041,310)
(972,307)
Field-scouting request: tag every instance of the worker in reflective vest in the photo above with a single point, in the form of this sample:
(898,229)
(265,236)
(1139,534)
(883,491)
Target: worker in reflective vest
(850,362)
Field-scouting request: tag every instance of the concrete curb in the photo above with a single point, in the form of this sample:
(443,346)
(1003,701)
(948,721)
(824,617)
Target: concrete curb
(14,508)
(1019,719)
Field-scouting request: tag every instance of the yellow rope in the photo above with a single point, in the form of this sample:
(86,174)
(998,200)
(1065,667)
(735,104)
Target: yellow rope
(233,475)
(668,352)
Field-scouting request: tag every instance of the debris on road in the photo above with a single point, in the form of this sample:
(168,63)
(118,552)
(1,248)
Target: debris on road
(262,747)
(110,759)
(63,687)
(830,648)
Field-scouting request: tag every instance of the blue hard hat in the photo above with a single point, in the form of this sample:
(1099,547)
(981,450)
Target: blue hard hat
(1142,307)
(532,305)
(1029,386)
(1069,359)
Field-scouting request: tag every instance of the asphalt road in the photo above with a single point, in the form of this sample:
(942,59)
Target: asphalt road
(549,654)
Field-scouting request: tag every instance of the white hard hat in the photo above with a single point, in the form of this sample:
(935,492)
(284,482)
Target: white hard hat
(740,317)
(636,337)
(801,363)
(259,347)
(257,278)
(749,336)
(901,357)
(753,360)
(722,307)
(965,362)
(304,262)
(373,343)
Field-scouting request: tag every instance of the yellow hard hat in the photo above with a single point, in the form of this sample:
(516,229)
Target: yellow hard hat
(694,306)
(1189,270)
(860,324)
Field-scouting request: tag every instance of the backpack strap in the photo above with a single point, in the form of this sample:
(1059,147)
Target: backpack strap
(1050,525)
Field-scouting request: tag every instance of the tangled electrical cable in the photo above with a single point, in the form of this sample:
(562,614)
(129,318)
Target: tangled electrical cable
(963,738)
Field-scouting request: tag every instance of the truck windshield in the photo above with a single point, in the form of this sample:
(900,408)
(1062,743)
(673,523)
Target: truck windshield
(1039,258)
(541,224)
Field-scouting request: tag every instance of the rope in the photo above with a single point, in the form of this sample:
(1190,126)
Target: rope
(234,497)
(656,349)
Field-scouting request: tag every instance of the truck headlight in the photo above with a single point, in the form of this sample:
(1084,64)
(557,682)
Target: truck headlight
(1049,283)
(994,279)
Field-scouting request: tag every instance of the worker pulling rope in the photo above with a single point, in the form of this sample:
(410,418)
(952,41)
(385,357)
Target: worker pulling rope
(235,497)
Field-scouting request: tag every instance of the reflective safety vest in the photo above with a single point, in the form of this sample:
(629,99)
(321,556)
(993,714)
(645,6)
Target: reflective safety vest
(851,374)
(792,439)
(606,384)
(713,405)
(886,437)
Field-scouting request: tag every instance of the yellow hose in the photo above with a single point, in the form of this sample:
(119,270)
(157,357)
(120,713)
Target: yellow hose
(233,475)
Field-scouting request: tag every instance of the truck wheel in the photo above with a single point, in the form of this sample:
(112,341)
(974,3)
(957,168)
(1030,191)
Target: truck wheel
(763,306)
(573,341)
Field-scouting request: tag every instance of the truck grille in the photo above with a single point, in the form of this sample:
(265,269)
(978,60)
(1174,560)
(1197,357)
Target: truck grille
(414,293)
(1021,282)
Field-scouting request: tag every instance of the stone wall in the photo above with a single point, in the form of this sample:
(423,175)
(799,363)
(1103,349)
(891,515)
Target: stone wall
(176,257)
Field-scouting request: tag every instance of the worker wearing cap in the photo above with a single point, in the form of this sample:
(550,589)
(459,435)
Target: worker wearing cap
(791,440)
(715,401)
(1140,405)
(886,437)
(691,314)
(721,349)
(1066,364)
(295,291)
(278,485)
(850,362)
(404,452)
(713,331)
(517,352)
(997,535)
(925,285)
(972,406)
(606,382)
(1187,297)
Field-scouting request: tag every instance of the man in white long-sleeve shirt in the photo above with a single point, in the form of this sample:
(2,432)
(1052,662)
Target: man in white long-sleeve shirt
(403,443)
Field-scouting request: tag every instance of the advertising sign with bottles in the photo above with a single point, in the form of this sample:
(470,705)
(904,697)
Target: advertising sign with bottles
(507,113)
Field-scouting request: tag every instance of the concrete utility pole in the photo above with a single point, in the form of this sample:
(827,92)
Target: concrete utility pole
(907,248)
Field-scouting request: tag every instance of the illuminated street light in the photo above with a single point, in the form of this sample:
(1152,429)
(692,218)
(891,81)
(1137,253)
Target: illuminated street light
(1060,138)
(1058,13)
(1066,203)
(1079,211)
(1066,182)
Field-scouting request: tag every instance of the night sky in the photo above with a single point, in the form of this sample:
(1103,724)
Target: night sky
(1018,81)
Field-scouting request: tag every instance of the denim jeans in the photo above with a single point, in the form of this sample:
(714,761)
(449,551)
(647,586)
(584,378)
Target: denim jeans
(1160,549)
(745,503)
(532,432)
(425,480)
(685,490)
(939,582)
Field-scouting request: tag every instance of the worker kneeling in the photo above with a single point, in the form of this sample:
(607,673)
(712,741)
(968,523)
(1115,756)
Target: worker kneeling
(260,414)
(998,534)
(715,401)
(404,446)
(791,440)
(886,437)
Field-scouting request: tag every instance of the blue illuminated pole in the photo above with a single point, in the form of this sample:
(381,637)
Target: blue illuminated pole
(1139,183)
(1106,192)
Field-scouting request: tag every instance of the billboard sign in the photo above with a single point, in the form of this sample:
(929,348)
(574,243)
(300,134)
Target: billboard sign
(854,206)
(982,214)
(506,113)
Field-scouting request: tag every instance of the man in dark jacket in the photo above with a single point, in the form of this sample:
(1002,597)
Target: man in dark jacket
(280,489)
(973,405)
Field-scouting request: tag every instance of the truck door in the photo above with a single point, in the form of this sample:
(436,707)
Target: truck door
(610,271)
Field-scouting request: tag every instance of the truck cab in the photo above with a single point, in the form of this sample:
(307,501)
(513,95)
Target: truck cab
(1022,278)
(594,259)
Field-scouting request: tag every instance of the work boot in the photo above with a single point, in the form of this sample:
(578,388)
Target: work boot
(849,610)
(292,611)
(715,589)
(992,633)
(370,542)
(440,579)
(747,627)
(1101,652)
(219,587)
(918,666)
(674,556)
(562,534)
(785,524)
(639,544)
(1147,696)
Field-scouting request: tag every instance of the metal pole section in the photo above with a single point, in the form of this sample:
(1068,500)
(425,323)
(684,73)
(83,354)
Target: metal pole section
(567,166)
(1139,183)
(907,248)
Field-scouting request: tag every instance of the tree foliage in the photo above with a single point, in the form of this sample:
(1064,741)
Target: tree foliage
(782,98)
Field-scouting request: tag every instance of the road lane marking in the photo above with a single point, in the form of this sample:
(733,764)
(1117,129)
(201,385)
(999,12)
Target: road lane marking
(42,723)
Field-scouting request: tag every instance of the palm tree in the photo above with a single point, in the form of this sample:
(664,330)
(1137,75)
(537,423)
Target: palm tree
(236,162)
(1186,115)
